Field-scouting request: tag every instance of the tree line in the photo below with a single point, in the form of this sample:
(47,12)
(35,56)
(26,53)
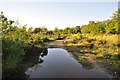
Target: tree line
(110,26)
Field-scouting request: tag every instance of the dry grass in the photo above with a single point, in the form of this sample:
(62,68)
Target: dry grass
(107,37)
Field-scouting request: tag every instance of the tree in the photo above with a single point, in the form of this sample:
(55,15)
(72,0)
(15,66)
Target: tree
(24,28)
(77,29)
(97,28)
(66,30)
(37,30)
(30,30)
(55,30)
(112,26)
(44,29)
(85,29)
(5,23)
(50,32)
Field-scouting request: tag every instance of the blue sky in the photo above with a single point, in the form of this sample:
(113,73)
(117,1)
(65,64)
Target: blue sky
(57,14)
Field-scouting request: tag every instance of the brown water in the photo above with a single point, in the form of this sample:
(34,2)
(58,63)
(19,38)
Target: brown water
(57,63)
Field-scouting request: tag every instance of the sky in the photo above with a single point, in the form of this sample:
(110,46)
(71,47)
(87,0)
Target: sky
(57,14)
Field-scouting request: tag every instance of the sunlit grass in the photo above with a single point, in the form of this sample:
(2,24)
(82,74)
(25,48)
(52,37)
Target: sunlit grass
(105,49)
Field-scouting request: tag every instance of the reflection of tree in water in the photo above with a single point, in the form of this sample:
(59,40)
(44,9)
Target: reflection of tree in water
(44,53)
(34,68)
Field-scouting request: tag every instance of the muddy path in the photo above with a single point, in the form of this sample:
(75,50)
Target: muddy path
(94,63)
(56,43)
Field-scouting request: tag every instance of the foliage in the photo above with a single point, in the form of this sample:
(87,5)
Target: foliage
(108,26)
(86,64)
(19,46)
(19,43)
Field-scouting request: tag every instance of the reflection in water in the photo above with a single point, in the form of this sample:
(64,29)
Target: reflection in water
(33,68)
(40,60)
(44,53)
(59,64)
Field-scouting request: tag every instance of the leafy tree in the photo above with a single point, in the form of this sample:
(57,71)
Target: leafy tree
(37,30)
(92,26)
(30,30)
(85,29)
(98,28)
(4,22)
(24,28)
(66,30)
(55,30)
(109,26)
(50,32)
(112,26)
(77,29)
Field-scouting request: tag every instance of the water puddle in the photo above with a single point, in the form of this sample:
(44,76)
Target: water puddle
(57,63)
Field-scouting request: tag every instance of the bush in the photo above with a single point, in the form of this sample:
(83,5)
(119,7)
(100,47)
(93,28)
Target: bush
(45,39)
(12,52)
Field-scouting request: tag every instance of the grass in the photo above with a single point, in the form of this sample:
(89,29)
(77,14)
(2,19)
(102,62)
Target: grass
(104,43)
(85,63)
(103,48)
(74,51)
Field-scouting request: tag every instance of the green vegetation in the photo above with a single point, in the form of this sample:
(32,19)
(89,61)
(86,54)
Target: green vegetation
(98,40)
(104,50)
(86,64)
(109,26)
(20,48)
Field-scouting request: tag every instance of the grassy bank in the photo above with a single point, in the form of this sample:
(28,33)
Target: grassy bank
(102,48)
(74,52)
